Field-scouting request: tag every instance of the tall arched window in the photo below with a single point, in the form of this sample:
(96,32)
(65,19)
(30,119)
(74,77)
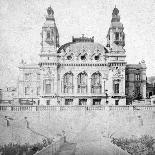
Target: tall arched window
(116,85)
(48,35)
(82,82)
(96,86)
(68,82)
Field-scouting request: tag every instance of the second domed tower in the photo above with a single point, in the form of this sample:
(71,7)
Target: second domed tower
(115,34)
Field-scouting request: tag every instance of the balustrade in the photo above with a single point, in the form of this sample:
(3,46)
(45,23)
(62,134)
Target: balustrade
(21,108)
(75,108)
(119,108)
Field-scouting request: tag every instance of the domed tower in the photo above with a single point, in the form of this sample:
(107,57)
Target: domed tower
(116,59)
(115,36)
(48,59)
(49,36)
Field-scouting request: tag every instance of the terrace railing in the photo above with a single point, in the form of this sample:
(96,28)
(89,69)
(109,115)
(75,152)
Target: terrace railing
(75,108)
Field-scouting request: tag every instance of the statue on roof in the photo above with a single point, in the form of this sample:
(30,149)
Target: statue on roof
(115,11)
(50,11)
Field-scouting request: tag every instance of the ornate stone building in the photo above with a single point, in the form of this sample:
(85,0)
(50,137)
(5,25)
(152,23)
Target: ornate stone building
(135,81)
(81,72)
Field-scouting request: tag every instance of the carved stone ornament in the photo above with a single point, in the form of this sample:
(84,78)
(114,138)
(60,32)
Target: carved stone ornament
(105,76)
(118,73)
(48,72)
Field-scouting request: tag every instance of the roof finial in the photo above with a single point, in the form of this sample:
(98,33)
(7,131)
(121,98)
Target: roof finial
(115,5)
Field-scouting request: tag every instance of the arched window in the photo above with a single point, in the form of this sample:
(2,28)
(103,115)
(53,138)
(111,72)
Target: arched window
(97,56)
(96,86)
(82,82)
(48,35)
(116,85)
(84,56)
(68,83)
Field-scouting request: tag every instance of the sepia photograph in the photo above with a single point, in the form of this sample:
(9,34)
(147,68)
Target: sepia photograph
(77,77)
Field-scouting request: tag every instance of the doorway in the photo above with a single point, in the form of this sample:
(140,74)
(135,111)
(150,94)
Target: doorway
(116,102)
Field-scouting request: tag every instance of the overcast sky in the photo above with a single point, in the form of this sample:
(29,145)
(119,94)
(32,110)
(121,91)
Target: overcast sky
(21,22)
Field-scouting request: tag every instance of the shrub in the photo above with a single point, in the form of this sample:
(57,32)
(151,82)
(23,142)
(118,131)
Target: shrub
(136,146)
(17,149)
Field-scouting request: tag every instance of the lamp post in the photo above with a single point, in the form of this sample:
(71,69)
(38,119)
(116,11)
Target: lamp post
(106,95)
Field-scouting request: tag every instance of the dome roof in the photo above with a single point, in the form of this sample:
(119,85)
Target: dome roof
(87,47)
(83,52)
(83,43)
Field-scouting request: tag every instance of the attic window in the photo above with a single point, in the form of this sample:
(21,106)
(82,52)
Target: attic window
(69,57)
(83,57)
(97,57)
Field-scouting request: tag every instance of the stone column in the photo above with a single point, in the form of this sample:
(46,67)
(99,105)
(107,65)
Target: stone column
(89,101)
(89,84)
(76,101)
(143,84)
(121,89)
(42,83)
(75,83)
(103,101)
(55,80)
